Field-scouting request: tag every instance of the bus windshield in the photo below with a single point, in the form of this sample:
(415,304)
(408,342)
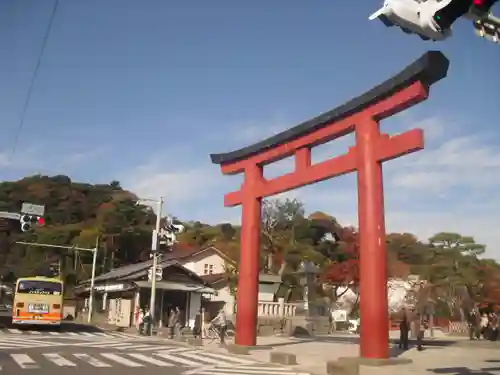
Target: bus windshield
(39,287)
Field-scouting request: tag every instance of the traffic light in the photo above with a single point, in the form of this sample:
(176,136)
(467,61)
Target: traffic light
(167,236)
(28,221)
(481,7)
(419,16)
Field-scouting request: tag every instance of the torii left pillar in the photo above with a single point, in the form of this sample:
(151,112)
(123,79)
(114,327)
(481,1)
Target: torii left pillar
(362,116)
(248,277)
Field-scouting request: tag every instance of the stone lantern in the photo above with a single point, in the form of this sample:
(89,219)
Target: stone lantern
(307,276)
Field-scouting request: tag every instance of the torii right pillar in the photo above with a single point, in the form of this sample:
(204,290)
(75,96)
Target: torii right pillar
(360,115)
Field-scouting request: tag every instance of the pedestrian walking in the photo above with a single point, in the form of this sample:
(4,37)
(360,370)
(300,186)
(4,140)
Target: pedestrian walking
(173,321)
(404,330)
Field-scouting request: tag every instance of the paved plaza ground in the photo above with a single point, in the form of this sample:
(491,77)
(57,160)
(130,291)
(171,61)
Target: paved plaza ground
(454,356)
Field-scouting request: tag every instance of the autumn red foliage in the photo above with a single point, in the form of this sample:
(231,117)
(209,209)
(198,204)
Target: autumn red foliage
(491,285)
(398,269)
(345,270)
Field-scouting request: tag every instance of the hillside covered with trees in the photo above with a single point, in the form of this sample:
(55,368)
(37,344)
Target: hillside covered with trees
(78,214)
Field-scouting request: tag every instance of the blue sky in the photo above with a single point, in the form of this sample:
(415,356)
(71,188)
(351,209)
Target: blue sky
(143,91)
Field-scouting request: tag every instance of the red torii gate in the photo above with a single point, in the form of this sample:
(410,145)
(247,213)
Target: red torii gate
(360,115)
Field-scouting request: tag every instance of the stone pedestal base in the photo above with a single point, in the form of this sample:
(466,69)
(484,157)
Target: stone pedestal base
(350,365)
(238,349)
(378,362)
(306,326)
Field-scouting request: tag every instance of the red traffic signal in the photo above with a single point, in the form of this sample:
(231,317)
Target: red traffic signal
(483,5)
(41,221)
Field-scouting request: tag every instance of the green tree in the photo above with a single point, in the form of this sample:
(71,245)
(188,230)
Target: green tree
(280,221)
(454,271)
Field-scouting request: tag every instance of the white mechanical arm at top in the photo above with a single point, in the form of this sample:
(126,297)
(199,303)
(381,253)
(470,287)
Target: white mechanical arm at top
(432,19)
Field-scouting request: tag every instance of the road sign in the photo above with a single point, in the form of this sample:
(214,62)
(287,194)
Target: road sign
(159,273)
(33,209)
(10,215)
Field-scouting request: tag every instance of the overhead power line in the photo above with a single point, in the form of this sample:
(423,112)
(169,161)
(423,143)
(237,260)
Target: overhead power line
(33,79)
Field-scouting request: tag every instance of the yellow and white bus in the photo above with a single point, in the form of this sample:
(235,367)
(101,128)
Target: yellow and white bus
(38,300)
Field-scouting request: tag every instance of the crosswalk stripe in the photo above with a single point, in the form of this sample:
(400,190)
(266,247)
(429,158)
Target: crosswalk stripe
(124,335)
(240,372)
(72,334)
(21,343)
(13,344)
(198,357)
(176,350)
(150,360)
(102,334)
(140,346)
(243,370)
(35,332)
(59,360)
(53,333)
(226,358)
(101,344)
(114,344)
(86,334)
(275,371)
(26,340)
(91,360)
(14,330)
(121,360)
(177,359)
(124,346)
(157,347)
(24,361)
(266,368)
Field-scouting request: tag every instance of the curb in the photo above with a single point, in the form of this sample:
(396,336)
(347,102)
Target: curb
(275,358)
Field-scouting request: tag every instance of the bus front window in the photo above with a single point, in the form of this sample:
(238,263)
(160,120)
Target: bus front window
(39,287)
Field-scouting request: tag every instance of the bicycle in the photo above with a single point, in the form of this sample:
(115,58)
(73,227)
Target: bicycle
(212,334)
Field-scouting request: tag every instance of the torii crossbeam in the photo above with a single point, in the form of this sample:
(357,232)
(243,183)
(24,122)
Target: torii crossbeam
(360,115)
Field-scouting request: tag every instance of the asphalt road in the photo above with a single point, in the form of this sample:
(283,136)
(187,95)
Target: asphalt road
(68,326)
(120,355)
(79,348)
(82,360)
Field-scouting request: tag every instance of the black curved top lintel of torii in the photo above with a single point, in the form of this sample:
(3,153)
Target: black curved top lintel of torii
(428,69)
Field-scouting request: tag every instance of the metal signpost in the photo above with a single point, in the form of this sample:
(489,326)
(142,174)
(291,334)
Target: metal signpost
(75,248)
(10,215)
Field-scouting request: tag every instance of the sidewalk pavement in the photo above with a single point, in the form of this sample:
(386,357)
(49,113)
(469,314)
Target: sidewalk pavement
(439,356)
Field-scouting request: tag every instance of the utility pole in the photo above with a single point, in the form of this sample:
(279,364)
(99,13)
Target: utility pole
(74,248)
(92,279)
(60,267)
(154,249)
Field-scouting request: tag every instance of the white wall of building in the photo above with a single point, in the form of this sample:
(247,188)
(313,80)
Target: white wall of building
(210,262)
(201,265)
(267,291)
(207,263)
